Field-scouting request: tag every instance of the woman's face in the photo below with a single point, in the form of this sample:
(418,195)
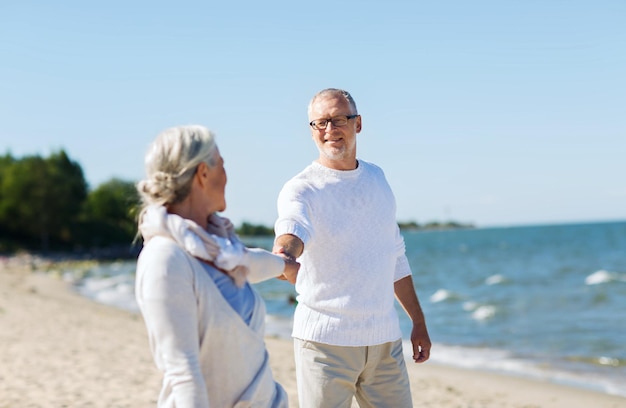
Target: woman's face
(215,187)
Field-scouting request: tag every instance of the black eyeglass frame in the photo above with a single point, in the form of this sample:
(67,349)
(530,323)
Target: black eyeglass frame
(314,126)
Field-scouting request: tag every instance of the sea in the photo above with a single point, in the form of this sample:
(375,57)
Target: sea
(546,302)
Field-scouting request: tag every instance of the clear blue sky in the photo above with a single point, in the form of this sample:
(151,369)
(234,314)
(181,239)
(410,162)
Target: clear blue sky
(502,112)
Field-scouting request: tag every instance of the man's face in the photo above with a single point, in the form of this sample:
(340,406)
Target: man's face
(336,144)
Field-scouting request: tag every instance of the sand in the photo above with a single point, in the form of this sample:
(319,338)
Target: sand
(58,349)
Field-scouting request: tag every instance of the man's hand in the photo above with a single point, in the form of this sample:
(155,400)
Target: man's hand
(291,266)
(421,343)
(289,247)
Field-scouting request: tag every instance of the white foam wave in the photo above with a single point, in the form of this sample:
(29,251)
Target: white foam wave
(471,357)
(484,312)
(440,295)
(479,311)
(495,279)
(599,277)
(502,361)
(118,291)
(608,361)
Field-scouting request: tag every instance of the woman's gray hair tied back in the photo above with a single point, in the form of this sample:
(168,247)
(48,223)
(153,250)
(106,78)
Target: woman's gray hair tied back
(171,163)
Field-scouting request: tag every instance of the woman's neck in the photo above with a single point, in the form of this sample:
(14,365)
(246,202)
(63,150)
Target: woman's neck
(186,210)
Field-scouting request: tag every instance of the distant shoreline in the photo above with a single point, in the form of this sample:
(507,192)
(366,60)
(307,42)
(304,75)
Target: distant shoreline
(247,230)
(433,225)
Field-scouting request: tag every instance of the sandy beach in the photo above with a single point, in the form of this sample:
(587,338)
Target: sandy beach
(58,349)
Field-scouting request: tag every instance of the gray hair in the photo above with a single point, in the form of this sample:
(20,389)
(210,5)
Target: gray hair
(334,92)
(171,163)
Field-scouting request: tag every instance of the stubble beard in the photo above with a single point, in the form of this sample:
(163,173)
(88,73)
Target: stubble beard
(334,153)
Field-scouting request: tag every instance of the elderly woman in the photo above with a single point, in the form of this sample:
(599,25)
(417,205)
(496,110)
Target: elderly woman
(205,322)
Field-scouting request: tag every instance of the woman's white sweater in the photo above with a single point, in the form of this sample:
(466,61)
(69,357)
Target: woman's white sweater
(209,356)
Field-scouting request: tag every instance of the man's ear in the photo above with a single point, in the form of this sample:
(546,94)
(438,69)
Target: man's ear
(358,124)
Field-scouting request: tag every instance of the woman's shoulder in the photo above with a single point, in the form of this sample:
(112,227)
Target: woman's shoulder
(161,250)
(160,244)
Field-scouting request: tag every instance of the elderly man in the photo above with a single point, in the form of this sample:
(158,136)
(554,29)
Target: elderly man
(338,216)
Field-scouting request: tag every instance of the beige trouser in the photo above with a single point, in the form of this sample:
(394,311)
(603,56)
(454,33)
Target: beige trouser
(329,376)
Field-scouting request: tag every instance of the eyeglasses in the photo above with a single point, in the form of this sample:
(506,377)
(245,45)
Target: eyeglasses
(337,121)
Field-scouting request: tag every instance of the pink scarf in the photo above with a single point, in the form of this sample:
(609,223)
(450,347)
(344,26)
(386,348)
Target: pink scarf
(218,244)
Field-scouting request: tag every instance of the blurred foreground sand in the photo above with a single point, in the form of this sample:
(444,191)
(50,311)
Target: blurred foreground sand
(58,349)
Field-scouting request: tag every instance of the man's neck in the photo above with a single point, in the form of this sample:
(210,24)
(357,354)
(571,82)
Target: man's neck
(342,165)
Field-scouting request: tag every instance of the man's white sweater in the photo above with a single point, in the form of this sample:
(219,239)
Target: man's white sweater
(353,254)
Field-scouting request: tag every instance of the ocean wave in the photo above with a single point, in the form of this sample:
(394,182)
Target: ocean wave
(599,361)
(442,295)
(484,312)
(480,311)
(495,279)
(506,362)
(602,276)
(117,291)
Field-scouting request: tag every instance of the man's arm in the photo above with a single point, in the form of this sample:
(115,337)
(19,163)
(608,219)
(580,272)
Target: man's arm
(292,247)
(405,292)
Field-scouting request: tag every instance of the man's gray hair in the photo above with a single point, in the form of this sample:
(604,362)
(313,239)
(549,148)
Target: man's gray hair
(334,92)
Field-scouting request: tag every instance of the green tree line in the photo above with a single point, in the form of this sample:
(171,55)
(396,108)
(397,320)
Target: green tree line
(47,205)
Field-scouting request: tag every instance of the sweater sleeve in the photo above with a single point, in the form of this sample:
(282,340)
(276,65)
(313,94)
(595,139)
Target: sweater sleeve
(166,296)
(263,265)
(293,212)
(403,268)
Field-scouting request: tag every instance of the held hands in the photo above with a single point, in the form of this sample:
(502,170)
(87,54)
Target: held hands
(291,266)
